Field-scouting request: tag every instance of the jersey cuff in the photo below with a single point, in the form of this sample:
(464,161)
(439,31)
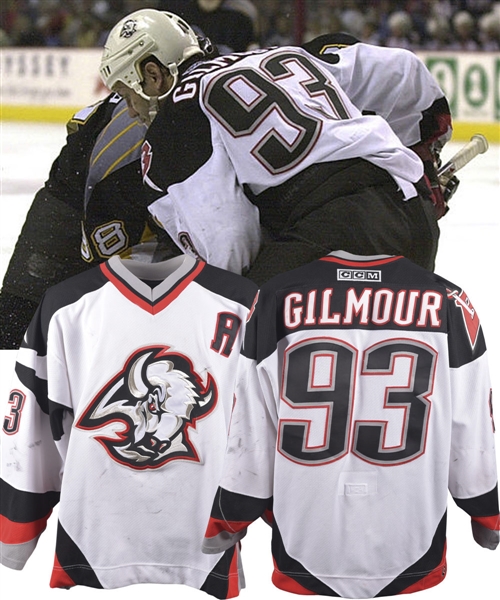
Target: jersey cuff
(485,537)
(15,556)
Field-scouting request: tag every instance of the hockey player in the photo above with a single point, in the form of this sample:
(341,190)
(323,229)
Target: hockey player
(419,115)
(363,397)
(94,191)
(92,206)
(266,135)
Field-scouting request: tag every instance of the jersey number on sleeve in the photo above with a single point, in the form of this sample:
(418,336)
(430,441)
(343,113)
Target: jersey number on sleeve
(321,374)
(16,403)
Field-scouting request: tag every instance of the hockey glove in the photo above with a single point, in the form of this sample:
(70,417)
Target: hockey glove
(429,154)
(450,188)
(437,192)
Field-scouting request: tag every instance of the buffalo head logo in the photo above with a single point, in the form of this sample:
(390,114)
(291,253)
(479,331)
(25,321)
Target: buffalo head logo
(144,413)
(128,28)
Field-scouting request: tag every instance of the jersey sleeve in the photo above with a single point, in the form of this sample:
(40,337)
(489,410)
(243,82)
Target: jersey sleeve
(199,201)
(391,82)
(473,479)
(209,216)
(246,487)
(33,439)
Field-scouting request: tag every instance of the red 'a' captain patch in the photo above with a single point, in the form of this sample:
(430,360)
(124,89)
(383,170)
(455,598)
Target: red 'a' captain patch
(146,155)
(469,314)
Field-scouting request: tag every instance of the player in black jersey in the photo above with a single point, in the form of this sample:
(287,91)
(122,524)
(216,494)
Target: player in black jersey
(92,206)
(266,138)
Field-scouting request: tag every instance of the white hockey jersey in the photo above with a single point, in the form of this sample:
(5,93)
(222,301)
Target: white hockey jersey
(363,397)
(120,407)
(259,119)
(391,82)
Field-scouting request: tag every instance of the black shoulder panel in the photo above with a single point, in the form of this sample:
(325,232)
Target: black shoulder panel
(466,340)
(69,171)
(63,294)
(227,284)
(25,507)
(180,141)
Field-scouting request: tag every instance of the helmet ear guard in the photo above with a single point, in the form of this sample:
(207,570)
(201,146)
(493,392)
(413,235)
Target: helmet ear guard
(144,33)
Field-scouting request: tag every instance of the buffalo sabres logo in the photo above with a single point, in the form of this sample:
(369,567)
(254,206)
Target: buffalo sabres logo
(145,412)
(128,29)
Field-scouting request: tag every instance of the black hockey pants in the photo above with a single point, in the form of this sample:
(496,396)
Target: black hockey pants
(349,205)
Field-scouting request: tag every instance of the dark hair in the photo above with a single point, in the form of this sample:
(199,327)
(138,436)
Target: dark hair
(208,51)
(153,59)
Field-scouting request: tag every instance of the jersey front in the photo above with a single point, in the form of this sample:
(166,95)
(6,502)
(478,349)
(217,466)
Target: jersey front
(363,397)
(120,406)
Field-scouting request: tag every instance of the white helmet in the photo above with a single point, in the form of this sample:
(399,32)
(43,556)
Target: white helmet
(146,32)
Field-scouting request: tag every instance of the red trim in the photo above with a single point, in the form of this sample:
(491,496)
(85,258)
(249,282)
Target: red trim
(217,526)
(283,582)
(141,302)
(20,533)
(59,578)
(179,288)
(435,577)
(360,264)
(268,516)
(492,523)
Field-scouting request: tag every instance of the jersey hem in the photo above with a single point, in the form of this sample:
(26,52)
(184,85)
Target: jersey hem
(131,575)
(296,583)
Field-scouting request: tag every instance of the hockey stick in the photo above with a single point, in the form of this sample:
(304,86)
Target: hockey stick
(478,144)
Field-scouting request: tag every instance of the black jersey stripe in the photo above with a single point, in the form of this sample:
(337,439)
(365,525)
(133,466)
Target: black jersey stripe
(71,563)
(25,507)
(429,562)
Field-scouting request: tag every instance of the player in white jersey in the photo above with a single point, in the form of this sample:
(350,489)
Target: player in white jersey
(115,214)
(264,138)
(363,397)
(395,84)
(119,408)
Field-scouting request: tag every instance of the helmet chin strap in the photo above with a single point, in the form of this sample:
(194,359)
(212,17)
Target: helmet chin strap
(154,101)
(154,106)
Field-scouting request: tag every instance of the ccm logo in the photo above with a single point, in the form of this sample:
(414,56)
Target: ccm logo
(358,275)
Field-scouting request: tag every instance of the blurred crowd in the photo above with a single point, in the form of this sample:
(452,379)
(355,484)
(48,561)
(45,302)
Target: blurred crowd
(467,25)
